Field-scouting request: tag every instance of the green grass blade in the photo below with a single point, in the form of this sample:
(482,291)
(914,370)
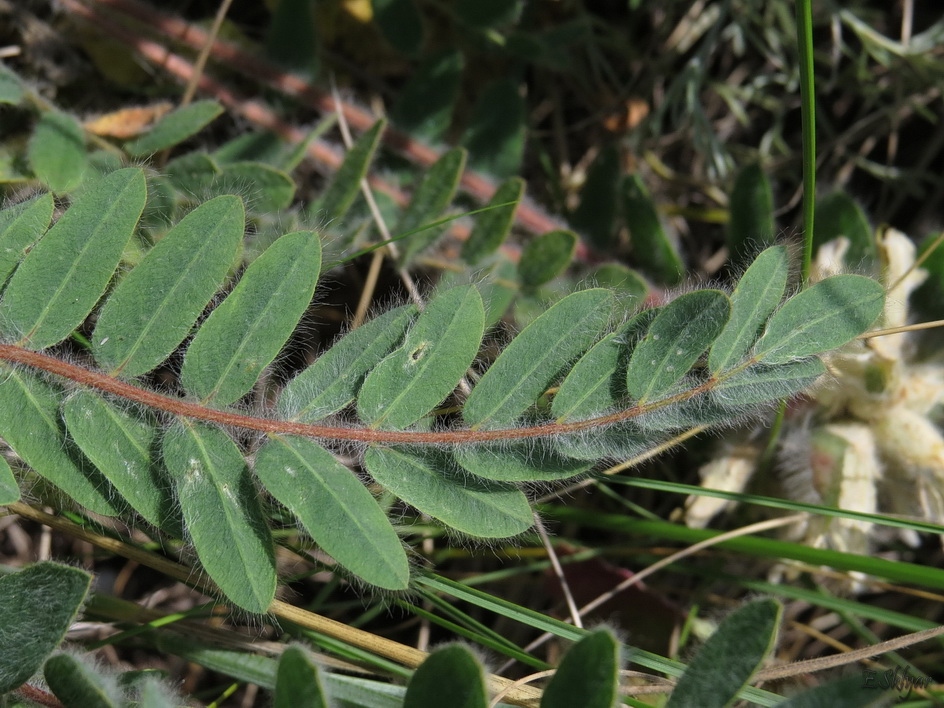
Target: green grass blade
(431,483)
(175,127)
(335,508)
(221,508)
(64,275)
(244,334)
(346,184)
(20,227)
(528,365)
(588,675)
(465,675)
(332,382)
(56,152)
(298,682)
(492,227)
(435,355)
(154,307)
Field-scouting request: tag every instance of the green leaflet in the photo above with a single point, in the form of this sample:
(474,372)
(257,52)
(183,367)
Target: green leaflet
(220,505)
(192,172)
(155,305)
(431,483)
(11,87)
(175,127)
(758,293)
(752,214)
(760,383)
(77,685)
(38,605)
(30,425)
(595,217)
(619,277)
(243,335)
(679,334)
(424,106)
(122,445)
(726,662)
(333,380)
(64,275)
(265,188)
(292,39)
(298,682)
(822,317)
(498,290)
(335,508)
(837,214)
(497,129)
(588,675)
(466,680)
(9,488)
(651,245)
(528,365)
(435,355)
(434,193)
(342,191)
(491,227)
(616,442)
(56,151)
(518,462)
(844,693)
(546,257)
(20,226)
(401,24)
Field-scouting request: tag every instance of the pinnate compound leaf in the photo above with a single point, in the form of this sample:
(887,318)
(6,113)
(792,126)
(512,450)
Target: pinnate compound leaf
(679,334)
(175,127)
(56,151)
(336,509)
(521,462)
(758,293)
(588,675)
(821,318)
(20,227)
(122,445)
(220,506)
(434,193)
(752,213)
(155,305)
(435,355)
(726,662)
(346,184)
(30,425)
(430,482)
(244,334)
(760,383)
(466,680)
(66,272)
(38,604)
(492,227)
(546,257)
(528,365)
(298,682)
(651,245)
(9,489)
(333,380)
(77,685)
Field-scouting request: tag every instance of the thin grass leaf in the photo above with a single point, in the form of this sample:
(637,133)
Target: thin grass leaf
(401,24)
(335,508)
(821,318)
(122,445)
(243,335)
(756,296)
(434,193)
(528,365)
(588,675)
(431,483)
(752,214)
(64,275)
(56,152)
(651,245)
(175,127)
(9,487)
(20,227)
(678,336)
(220,506)
(466,680)
(154,307)
(424,105)
(435,355)
(332,382)
(497,128)
(30,425)
(346,185)
(492,227)
(595,216)
(78,685)
(522,462)
(298,682)
(546,257)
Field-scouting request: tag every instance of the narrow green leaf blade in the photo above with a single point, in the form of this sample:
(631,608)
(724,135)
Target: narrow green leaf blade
(522,462)
(122,446)
(333,380)
(175,127)
(30,425)
(20,227)
(65,274)
(38,604)
(758,293)
(220,506)
(424,107)
(496,134)
(492,227)
(822,317)
(679,334)
(9,487)
(651,245)
(56,151)
(588,675)
(760,383)
(466,680)
(431,483)
(336,509)
(298,682)
(726,662)
(244,334)
(155,305)
(77,685)
(528,365)
(435,355)
(546,257)
(752,214)
(432,196)
(346,184)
